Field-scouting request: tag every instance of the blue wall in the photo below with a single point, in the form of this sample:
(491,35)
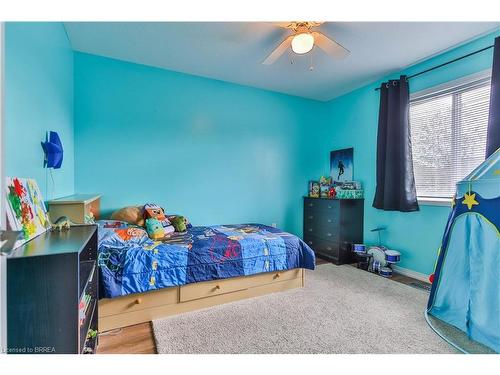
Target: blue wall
(38,97)
(352,122)
(213,151)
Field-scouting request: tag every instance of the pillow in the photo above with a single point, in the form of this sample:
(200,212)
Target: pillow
(131,233)
(110,230)
(112,224)
(132,215)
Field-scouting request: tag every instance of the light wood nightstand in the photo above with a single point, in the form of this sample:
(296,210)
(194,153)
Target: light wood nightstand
(76,207)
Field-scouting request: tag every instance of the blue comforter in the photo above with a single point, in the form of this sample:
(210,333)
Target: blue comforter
(130,262)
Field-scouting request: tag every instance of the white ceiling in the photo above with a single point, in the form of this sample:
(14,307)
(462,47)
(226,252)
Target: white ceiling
(233,51)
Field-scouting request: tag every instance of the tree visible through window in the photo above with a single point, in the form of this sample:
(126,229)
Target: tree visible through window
(448,135)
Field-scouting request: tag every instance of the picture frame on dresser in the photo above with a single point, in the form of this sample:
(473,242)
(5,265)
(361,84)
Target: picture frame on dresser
(331,226)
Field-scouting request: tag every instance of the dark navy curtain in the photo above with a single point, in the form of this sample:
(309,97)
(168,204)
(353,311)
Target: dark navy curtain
(493,135)
(395,180)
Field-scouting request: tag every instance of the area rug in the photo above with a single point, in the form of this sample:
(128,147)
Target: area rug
(340,310)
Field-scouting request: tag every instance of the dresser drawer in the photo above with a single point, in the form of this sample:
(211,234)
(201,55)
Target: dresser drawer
(134,302)
(327,232)
(321,217)
(311,205)
(321,221)
(330,248)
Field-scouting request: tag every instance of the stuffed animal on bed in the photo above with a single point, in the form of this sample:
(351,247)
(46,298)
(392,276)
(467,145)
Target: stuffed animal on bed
(173,218)
(179,223)
(132,215)
(155,229)
(153,211)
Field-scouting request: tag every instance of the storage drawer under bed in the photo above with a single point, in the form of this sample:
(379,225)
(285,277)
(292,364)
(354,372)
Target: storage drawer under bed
(215,287)
(139,301)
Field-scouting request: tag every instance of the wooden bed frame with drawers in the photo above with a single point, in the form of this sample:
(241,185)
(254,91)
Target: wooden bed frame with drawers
(143,307)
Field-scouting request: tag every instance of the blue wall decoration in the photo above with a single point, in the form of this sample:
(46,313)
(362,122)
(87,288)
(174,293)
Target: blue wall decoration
(53,150)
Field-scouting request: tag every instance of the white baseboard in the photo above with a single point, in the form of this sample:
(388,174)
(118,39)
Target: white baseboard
(410,273)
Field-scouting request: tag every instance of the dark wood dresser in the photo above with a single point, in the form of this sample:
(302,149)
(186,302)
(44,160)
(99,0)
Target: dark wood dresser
(331,226)
(52,293)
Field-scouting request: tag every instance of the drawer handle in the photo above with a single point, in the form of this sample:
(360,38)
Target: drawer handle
(310,217)
(328,248)
(138,301)
(310,230)
(310,204)
(277,276)
(217,287)
(329,206)
(329,220)
(329,234)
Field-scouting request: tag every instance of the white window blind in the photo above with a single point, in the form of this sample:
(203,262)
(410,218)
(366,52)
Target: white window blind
(448,135)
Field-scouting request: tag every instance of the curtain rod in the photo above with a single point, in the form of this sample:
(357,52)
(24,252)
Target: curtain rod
(446,63)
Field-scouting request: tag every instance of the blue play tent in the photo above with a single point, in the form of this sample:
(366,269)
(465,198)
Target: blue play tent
(466,288)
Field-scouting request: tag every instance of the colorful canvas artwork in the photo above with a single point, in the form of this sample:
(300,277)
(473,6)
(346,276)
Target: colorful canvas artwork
(25,209)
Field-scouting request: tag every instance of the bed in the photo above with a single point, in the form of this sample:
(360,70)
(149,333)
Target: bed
(142,279)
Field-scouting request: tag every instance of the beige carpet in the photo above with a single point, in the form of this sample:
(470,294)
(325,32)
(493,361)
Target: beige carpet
(341,310)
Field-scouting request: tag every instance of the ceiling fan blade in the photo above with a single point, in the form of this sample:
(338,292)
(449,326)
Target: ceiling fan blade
(330,46)
(280,50)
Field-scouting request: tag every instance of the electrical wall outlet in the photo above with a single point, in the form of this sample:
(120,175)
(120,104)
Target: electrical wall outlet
(273,225)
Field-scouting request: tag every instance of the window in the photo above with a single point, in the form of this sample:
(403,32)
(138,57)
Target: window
(448,134)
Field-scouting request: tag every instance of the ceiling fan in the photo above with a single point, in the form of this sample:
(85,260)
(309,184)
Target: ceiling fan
(303,39)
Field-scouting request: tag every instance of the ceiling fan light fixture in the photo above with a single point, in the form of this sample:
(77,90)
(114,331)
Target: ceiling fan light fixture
(302,43)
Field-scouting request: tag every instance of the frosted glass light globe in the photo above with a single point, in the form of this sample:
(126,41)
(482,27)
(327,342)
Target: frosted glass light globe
(302,43)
